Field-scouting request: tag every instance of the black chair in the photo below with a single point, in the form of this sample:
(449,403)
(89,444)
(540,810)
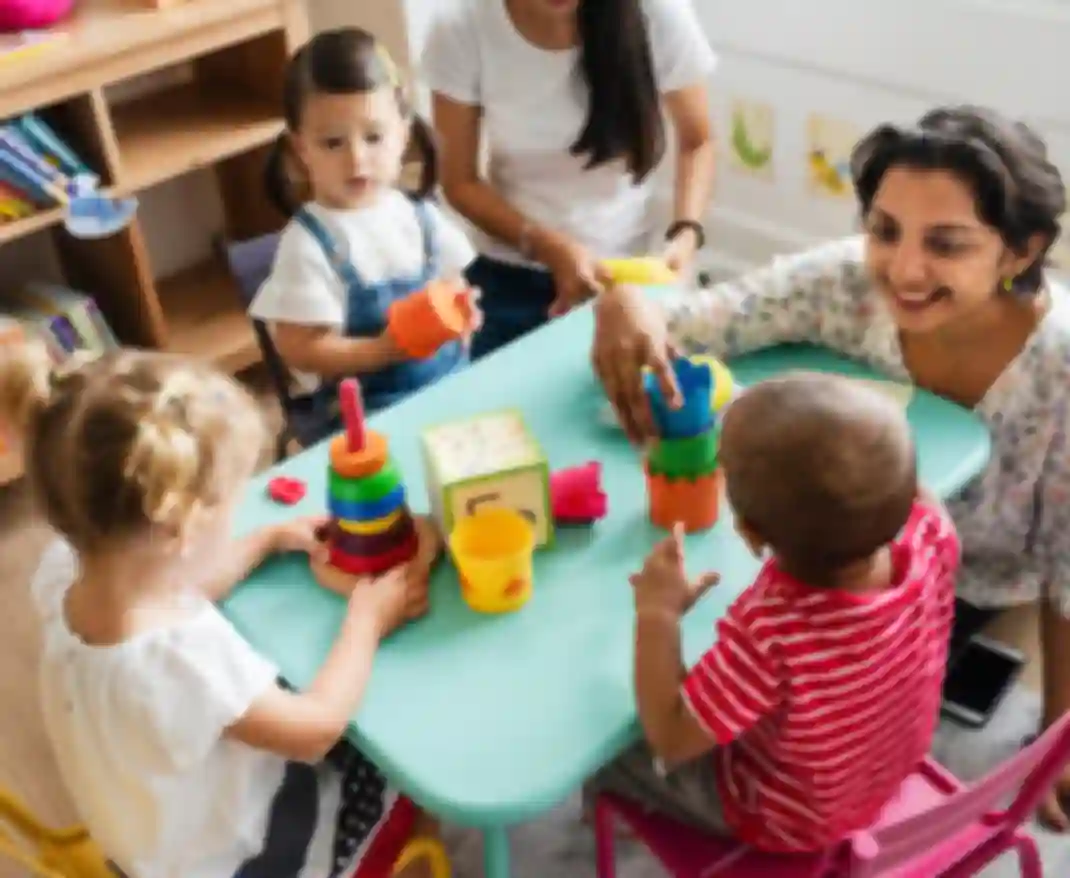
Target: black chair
(304,422)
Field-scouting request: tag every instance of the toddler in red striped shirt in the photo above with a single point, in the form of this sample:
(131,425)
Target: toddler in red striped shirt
(822,691)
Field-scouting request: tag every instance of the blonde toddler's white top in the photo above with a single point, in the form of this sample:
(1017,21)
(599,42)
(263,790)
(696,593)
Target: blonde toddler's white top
(1014,518)
(137,730)
(383,240)
(534,104)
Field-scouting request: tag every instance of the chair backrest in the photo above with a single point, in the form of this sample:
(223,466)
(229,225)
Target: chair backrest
(46,852)
(250,264)
(1024,780)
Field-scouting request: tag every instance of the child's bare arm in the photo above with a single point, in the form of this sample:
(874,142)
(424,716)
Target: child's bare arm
(320,350)
(670,728)
(304,726)
(242,557)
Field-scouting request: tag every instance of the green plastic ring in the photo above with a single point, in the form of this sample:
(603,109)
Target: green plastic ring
(685,458)
(367,489)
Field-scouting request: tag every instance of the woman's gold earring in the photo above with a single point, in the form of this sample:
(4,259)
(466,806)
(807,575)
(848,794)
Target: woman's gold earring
(1008,284)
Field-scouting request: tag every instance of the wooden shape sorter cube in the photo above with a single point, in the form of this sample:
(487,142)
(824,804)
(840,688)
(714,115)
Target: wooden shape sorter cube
(489,460)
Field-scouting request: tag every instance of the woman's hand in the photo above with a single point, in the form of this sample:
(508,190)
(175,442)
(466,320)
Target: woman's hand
(576,273)
(629,334)
(679,254)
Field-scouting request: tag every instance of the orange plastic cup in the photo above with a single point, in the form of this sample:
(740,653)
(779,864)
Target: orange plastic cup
(493,552)
(422,323)
(694,503)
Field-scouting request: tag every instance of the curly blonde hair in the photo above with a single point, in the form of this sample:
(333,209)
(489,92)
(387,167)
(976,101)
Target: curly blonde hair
(127,442)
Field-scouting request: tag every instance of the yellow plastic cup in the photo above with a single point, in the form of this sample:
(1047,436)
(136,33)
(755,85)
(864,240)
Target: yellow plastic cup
(493,552)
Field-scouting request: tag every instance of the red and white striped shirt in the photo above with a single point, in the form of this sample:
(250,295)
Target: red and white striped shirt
(821,701)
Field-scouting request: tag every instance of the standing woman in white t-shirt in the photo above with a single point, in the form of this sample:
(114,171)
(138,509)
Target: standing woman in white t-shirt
(569,95)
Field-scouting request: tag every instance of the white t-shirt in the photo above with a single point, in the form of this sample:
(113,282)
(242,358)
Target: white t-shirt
(137,733)
(534,105)
(383,240)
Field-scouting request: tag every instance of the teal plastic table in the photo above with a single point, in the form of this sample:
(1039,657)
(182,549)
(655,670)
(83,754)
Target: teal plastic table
(488,721)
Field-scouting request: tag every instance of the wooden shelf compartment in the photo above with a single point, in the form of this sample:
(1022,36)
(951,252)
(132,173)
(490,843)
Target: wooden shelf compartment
(81,122)
(226,103)
(110,40)
(206,318)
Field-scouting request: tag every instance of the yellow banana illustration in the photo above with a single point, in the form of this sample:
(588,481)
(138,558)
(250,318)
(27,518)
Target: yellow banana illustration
(750,155)
(825,174)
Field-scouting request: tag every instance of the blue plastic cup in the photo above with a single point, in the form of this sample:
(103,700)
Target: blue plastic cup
(695,414)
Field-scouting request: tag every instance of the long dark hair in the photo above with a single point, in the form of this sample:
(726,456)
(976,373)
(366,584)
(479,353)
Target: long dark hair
(1018,189)
(624,115)
(336,62)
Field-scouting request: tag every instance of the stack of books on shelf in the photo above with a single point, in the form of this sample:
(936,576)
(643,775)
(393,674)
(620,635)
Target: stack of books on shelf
(66,320)
(35,164)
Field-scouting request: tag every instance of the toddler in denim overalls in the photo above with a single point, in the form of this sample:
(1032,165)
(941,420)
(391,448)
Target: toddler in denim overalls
(356,242)
(366,306)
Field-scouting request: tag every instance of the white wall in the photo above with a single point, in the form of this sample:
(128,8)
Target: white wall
(856,63)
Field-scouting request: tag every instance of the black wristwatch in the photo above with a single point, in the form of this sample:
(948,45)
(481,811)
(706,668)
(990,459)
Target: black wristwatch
(687,225)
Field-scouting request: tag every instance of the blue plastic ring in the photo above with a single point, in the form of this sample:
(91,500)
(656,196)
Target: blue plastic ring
(349,510)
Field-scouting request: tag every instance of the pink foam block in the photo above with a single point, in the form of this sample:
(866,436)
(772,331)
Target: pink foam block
(576,494)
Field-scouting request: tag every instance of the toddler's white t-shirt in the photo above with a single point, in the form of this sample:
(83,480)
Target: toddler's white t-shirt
(137,733)
(534,104)
(383,240)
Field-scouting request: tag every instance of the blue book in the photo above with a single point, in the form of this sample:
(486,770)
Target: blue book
(50,144)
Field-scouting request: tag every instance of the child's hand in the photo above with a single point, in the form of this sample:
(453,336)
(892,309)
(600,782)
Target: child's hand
(662,586)
(390,600)
(301,535)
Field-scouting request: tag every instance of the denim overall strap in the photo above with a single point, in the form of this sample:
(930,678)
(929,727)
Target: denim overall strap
(427,232)
(312,224)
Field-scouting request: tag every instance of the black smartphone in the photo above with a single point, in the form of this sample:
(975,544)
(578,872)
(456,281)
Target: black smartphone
(979,680)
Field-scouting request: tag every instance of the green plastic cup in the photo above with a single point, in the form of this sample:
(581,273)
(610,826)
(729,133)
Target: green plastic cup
(685,458)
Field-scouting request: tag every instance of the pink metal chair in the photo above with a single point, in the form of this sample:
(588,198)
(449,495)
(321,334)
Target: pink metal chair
(934,828)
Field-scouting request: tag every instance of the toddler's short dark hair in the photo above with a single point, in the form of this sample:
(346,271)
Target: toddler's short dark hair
(821,468)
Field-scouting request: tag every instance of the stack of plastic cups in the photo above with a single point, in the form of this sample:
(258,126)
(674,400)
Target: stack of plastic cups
(371,529)
(683,477)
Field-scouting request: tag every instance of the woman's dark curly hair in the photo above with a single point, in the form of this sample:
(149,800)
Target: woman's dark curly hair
(1019,191)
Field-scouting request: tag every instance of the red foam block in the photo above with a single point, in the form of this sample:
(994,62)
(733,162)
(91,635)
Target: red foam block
(287,491)
(576,494)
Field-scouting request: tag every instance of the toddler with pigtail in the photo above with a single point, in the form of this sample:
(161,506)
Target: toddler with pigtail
(184,755)
(356,243)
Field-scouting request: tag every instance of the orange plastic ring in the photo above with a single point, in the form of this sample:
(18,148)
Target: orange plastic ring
(694,503)
(357,464)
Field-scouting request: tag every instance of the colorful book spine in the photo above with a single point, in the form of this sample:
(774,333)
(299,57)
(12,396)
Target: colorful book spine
(37,325)
(31,167)
(45,140)
(16,174)
(78,325)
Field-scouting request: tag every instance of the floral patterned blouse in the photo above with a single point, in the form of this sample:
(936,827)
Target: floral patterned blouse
(1014,518)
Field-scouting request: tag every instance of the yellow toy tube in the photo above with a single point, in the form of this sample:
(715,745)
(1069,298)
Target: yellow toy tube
(642,271)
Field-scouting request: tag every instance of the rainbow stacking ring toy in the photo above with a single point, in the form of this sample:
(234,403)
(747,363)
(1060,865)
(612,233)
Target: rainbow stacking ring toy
(371,529)
(682,472)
